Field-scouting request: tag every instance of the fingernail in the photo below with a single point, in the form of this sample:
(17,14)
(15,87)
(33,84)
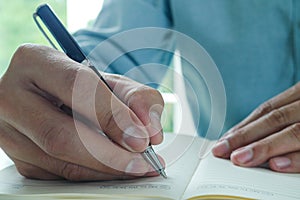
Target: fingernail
(282,162)
(243,155)
(134,141)
(137,166)
(221,148)
(155,123)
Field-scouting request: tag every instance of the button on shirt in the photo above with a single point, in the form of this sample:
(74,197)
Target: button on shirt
(255,45)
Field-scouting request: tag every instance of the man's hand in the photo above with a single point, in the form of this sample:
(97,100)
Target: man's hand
(270,134)
(46,143)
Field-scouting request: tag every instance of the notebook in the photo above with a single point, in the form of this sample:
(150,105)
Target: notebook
(193,173)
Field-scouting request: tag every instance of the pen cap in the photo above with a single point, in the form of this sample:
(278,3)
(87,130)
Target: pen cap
(62,36)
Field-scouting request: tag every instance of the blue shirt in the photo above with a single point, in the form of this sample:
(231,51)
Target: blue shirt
(255,45)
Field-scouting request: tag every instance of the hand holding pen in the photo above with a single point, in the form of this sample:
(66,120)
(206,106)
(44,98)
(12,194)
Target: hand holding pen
(72,49)
(43,141)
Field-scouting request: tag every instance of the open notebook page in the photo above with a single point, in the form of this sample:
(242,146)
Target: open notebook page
(179,173)
(220,176)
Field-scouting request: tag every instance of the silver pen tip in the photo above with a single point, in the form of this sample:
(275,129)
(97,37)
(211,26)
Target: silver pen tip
(163,173)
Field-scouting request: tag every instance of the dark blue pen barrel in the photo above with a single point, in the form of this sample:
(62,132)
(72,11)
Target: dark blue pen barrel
(62,36)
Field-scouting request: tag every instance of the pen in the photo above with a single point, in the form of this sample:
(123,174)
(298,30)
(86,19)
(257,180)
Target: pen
(73,51)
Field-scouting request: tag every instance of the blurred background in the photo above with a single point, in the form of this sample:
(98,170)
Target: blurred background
(17,27)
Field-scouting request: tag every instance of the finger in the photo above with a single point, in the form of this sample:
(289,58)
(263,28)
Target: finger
(32,158)
(288,163)
(33,172)
(147,103)
(283,142)
(80,88)
(260,128)
(62,170)
(284,98)
(56,134)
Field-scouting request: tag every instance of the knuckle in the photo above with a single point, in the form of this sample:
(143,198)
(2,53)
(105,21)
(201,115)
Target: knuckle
(21,54)
(265,108)
(263,148)
(295,132)
(72,172)
(52,139)
(7,140)
(136,93)
(277,117)
(296,87)
(239,137)
(115,165)
(22,50)
(69,76)
(143,94)
(293,91)
(82,83)
(157,95)
(108,119)
(4,103)
(297,106)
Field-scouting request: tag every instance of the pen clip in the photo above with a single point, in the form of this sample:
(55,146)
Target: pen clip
(35,18)
(59,32)
(63,37)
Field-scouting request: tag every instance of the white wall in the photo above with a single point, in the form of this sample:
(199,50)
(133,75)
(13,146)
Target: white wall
(79,12)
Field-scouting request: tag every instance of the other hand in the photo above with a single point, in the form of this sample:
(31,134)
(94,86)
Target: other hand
(271,134)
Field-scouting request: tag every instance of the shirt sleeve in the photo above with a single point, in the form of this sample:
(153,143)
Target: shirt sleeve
(119,17)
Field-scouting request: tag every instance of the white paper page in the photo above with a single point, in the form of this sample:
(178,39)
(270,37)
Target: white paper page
(220,176)
(179,174)
(5,161)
